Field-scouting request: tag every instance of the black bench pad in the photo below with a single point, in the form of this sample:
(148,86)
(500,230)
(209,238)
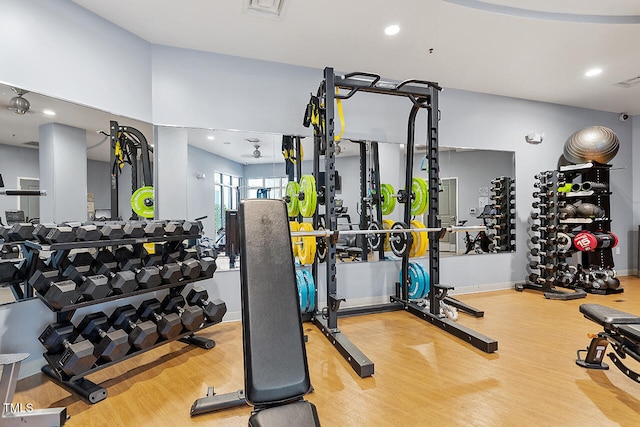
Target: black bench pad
(302,413)
(607,315)
(630,331)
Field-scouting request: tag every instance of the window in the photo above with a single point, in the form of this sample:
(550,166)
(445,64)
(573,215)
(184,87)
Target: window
(270,188)
(226,189)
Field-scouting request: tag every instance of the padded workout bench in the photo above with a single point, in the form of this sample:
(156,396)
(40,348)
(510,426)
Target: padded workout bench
(621,329)
(276,374)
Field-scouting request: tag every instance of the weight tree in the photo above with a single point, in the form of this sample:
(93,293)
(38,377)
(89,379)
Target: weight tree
(423,95)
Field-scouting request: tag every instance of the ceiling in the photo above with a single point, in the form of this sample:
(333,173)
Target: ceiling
(530,49)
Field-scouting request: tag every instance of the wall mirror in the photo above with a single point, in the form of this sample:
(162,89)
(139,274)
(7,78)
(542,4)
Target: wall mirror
(22,113)
(246,163)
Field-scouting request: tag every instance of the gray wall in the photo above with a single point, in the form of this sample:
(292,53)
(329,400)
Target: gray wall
(99,183)
(16,162)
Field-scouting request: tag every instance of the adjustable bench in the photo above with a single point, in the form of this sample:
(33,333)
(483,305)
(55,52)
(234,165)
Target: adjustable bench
(275,360)
(621,330)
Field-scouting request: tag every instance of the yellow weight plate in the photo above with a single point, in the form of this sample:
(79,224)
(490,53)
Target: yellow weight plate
(386,225)
(294,226)
(307,251)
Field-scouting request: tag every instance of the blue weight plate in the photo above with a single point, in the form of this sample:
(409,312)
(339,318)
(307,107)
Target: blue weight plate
(311,291)
(427,282)
(416,288)
(303,297)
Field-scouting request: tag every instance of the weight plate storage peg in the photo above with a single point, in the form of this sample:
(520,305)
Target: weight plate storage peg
(420,200)
(292,192)
(307,251)
(400,240)
(388,200)
(142,202)
(310,194)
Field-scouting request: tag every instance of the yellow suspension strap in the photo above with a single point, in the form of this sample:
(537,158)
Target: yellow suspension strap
(119,157)
(340,115)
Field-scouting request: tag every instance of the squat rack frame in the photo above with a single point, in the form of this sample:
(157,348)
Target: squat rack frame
(423,95)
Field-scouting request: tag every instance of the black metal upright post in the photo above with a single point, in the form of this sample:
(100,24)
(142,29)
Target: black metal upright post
(364,200)
(433,176)
(113,126)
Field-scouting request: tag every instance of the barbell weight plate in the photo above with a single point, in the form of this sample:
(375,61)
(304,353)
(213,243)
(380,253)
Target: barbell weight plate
(292,191)
(416,282)
(294,226)
(415,245)
(374,239)
(321,247)
(420,200)
(386,225)
(303,290)
(311,291)
(388,201)
(400,240)
(308,189)
(424,238)
(427,282)
(142,202)
(307,251)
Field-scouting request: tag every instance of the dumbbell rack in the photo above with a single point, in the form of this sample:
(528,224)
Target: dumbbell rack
(504,197)
(545,249)
(599,259)
(88,390)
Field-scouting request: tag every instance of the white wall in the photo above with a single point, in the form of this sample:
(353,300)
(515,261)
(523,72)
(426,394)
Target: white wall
(16,162)
(59,49)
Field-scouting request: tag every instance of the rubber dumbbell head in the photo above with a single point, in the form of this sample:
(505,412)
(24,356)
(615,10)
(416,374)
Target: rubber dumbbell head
(207,266)
(40,231)
(56,291)
(134,229)
(21,231)
(74,358)
(168,325)
(61,234)
(109,346)
(213,310)
(88,233)
(91,287)
(141,334)
(192,316)
(111,231)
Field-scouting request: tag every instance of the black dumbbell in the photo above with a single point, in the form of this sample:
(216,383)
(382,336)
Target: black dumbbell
(57,291)
(88,233)
(133,229)
(537,215)
(147,277)
(190,228)
(192,316)
(40,231)
(121,282)
(213,310)
(174,228)
(141,334)
(91,287)
(168,325)
(78,259)
(548,267)
(74,358)
(545,174)
(154,229)
(61,234)
(110,346)
(549,241)
(547,254)
(21,231)
(207,266)
(170,273)
(551,228)
(111,231)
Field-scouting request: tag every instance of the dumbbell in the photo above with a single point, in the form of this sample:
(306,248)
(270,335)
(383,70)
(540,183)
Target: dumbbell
(191,316)
(548,267)
(88,233)
(121,282)
(147,277)
(91,287)
(58,292)
(168,325)
(174,228)
(542,204)
(141,334)
(78,259)
(213,310)
(545,174)
(537,215)
(539,240)
(111,231)
(75,358)
(548,254)
(542,185)
(541,194)
(551,228)
(21,231)
(154,229)
(587,241)
(133,229)
(110,346)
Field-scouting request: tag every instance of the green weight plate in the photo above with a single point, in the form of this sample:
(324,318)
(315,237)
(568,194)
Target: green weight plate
(388,202)
(565,188)
(420,192)
(308,188)
(292,191)
(311,291)
(142,202)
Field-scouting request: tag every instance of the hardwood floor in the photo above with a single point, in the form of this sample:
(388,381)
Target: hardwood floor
(423,376)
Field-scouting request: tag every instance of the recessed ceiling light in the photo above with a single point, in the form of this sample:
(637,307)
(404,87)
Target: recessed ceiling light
(49,113)
(593,72)
(392,30)
(226,143)
(211,137)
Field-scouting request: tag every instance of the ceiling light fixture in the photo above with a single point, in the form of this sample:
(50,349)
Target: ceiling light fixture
(18,104)
(211,137)
(49,113)
(392,30)
(593,72)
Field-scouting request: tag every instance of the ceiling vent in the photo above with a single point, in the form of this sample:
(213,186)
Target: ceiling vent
(268,8)
(32,143)
(629,82)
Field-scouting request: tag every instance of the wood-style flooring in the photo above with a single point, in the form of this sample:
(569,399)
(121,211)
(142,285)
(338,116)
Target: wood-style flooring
(423,376)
